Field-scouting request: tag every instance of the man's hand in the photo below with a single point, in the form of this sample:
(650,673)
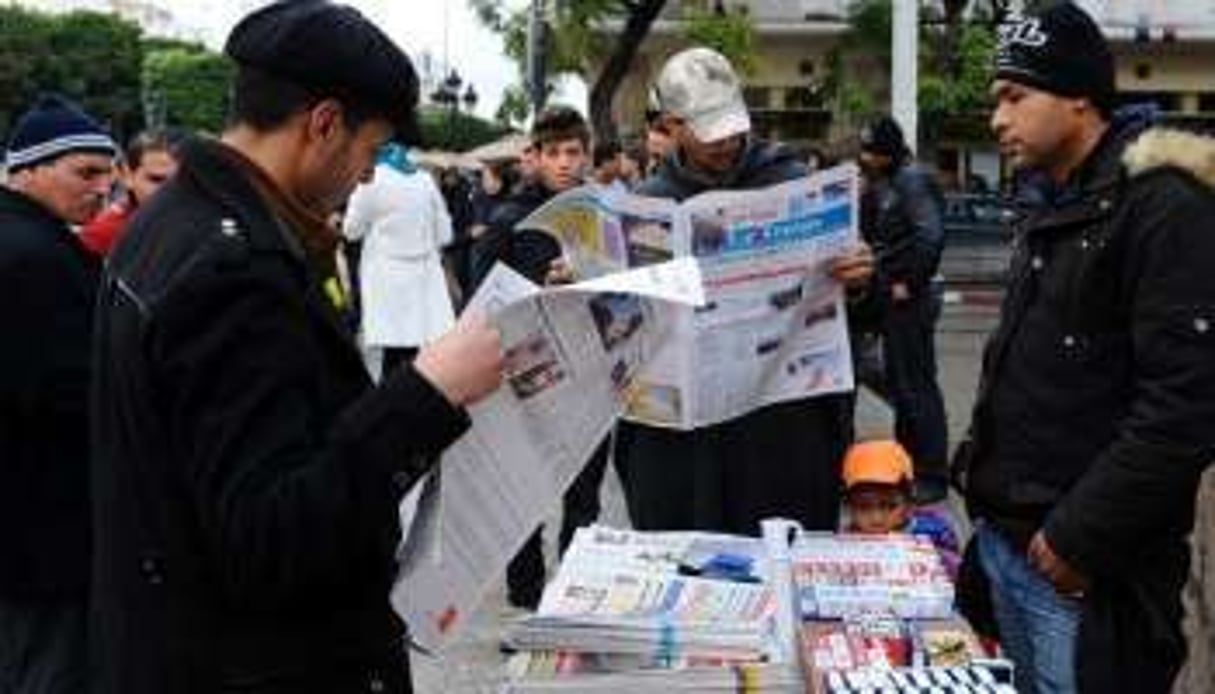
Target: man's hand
(465,363)
(854,268)
(1068,582)
(560,272)
(899,292)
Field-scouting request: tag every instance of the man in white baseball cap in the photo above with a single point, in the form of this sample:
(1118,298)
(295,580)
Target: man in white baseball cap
(777,461)
(701,100)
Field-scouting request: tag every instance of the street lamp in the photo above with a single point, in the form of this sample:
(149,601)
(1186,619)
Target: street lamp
(470,98)
(447,95)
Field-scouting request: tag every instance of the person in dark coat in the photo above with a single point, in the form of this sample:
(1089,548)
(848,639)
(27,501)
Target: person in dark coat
(907,236)
(780,460)
(247,474)
(1093,416)
(60,168)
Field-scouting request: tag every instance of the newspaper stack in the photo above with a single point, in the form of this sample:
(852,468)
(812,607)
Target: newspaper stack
(620,592)
(839,575)
(623,614)
(594,673)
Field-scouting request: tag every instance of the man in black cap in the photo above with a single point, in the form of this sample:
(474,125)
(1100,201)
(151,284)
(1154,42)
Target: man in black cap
(901,220)
(247,473)
(60,168)
(1093,418)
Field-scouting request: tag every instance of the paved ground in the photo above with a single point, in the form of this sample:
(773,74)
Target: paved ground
(474,664)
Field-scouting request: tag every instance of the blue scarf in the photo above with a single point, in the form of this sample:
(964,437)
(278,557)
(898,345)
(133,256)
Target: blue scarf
(395,156)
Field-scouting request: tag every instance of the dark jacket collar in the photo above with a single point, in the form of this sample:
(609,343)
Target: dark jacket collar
(18,204)
(216,170)
(1102,168)
(1092,190)
(759,163)
(221,173)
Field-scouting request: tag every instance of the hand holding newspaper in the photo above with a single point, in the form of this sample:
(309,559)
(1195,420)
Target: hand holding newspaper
(773,327)
(570,355)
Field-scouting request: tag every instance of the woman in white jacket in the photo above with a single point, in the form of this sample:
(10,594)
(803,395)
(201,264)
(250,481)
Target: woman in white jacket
(403,224)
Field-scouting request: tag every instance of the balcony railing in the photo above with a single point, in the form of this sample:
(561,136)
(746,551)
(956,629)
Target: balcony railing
(768,11)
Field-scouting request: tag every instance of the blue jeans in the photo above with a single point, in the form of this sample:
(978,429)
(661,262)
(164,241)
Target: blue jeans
(1037,626)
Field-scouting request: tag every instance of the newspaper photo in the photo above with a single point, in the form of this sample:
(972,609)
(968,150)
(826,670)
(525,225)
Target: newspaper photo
(570,355)
(773,327)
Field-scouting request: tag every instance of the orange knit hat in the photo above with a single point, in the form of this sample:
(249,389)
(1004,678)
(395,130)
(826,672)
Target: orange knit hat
(877,462)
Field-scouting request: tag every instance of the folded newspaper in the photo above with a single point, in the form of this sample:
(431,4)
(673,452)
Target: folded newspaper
(629,593)
(638,612)
(570,355)
(773,327)
(590,673)
(841,575)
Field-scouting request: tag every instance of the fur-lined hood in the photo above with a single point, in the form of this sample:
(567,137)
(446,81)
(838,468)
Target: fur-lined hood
(1164,147)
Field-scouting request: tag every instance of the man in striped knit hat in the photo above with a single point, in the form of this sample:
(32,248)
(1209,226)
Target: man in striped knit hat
(59,165)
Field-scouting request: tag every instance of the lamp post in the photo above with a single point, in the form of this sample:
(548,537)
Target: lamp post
(451,89)
(470,98)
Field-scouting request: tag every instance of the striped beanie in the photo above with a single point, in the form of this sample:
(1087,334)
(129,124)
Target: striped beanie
(52,128)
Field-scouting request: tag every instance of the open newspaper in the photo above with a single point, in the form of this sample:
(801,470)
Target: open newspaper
(773,327)
(570,355)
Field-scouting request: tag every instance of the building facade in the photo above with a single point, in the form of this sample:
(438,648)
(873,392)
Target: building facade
(1165,50)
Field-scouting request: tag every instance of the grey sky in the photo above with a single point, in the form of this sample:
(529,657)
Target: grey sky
(439,27)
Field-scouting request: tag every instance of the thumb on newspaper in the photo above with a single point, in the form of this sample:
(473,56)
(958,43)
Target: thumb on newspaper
(465,364)
(854,267)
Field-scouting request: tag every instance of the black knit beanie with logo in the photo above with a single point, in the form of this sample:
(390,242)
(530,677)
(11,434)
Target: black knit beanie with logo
(1058,49)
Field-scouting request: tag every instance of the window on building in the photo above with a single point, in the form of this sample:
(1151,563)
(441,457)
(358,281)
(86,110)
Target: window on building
(758,97)
(803,98)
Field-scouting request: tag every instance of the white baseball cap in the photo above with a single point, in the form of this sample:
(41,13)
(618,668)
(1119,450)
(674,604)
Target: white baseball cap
(700,86)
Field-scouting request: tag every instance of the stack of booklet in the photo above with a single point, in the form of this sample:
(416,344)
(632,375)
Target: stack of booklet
(653,612)
(840,575)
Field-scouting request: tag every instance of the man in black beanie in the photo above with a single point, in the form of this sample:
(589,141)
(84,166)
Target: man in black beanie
(247,473)
(901,220)
(60,167)
(1093,418)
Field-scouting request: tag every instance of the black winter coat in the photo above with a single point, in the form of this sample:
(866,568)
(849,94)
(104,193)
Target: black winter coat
(1097,398)
(48,281)
(527,251)
(246,473)
(906,229)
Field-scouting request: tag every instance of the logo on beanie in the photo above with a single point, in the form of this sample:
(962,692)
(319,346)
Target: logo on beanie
(1022,31)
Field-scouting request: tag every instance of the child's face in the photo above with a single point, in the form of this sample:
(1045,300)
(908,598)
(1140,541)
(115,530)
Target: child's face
(874,508)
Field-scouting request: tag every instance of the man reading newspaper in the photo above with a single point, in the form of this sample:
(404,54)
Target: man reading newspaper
(780,460)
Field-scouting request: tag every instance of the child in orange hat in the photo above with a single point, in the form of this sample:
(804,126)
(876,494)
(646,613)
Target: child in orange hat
(878,481)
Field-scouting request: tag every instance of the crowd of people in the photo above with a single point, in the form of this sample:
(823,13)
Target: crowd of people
(221,381)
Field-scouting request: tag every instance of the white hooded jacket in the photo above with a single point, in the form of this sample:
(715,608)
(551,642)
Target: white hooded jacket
(403,223)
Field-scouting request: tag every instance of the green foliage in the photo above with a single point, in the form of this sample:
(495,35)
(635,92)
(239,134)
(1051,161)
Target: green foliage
(955,63)
(869,23)
(456,132)
(514,108)
(89,57)
(965,92)
(152,44)
(729,33)
(187,87)
(24,61)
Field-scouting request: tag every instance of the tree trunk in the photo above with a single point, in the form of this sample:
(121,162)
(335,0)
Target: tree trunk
(952,64)
(641,15)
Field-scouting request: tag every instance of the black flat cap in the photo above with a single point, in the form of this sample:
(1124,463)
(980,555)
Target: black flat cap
(333,51)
